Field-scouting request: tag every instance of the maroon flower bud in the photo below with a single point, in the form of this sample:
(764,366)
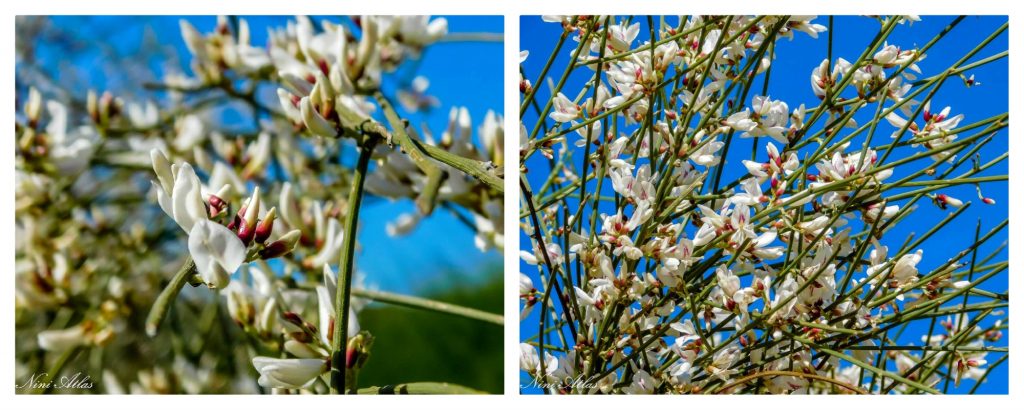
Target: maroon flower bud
(217,202)
(281,246)
(350,357)
(246,233)
(293,318)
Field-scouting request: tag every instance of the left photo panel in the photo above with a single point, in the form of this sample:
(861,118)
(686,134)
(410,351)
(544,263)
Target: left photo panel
(259,205)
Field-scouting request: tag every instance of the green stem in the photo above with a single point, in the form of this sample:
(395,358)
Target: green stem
(427,198)
(343,299)
(431,305)
(163,303)
(420,388)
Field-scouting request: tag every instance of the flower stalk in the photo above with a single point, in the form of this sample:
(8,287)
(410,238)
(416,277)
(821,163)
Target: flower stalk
(162,305)
(343,299)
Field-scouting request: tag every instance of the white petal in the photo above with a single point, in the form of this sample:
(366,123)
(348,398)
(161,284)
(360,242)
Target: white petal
(187,196)
(217,252)
(287,373)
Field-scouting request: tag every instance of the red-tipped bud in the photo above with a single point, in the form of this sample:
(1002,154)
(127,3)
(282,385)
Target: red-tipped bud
(246,234)
(217,202)
(281,246)
(265,226)
(293,318)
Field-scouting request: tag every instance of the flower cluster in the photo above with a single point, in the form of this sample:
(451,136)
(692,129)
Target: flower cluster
(676,280)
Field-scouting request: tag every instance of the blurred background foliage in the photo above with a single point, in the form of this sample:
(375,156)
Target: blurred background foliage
(463,351)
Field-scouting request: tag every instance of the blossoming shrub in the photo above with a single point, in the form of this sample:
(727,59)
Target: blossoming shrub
(687,230)
(123,203)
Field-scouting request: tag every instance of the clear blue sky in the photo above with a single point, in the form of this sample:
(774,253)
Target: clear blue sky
(790,82)
(461,73)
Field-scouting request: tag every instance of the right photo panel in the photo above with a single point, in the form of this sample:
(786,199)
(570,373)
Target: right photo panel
(763,205)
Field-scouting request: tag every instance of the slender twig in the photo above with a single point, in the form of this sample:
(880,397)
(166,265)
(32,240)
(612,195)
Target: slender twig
(430,305)
(420,388)
(427,198)
(167,297)
(342,301)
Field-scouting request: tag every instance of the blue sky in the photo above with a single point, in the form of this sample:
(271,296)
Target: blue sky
(422,260)
(790,82)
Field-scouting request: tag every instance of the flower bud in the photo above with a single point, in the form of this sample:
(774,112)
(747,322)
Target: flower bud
(162,167)
(62,339)
(358,350)
(217,203)
(943,200)
(247,227)
(314,121)
(289,103)
(265,226)
(367,44)
(326,93)
(281,246)
(92,106)
(293,318)
(33,106)
(193,39)
(300,348)
(108,106)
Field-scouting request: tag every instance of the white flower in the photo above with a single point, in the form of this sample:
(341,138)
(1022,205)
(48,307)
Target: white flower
(404,224)
(803,23)
(525,285)
(315,122)
(143,116)
(620,37)
(707,155)
(687,333)
(586,137)
(333,238)
(325,307)
(288,373)
(740,121)
(727,281)
(592,304)
(529,361)
(526,291)
(721,363)
(554,255)
(190,131)
(492,136)
(180,196)
(642,383)
(886,55)
(70,150)
(822,79)
(60,340)
(217,252)
(419,31)
(968,364)
(564,109)
(904,271)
